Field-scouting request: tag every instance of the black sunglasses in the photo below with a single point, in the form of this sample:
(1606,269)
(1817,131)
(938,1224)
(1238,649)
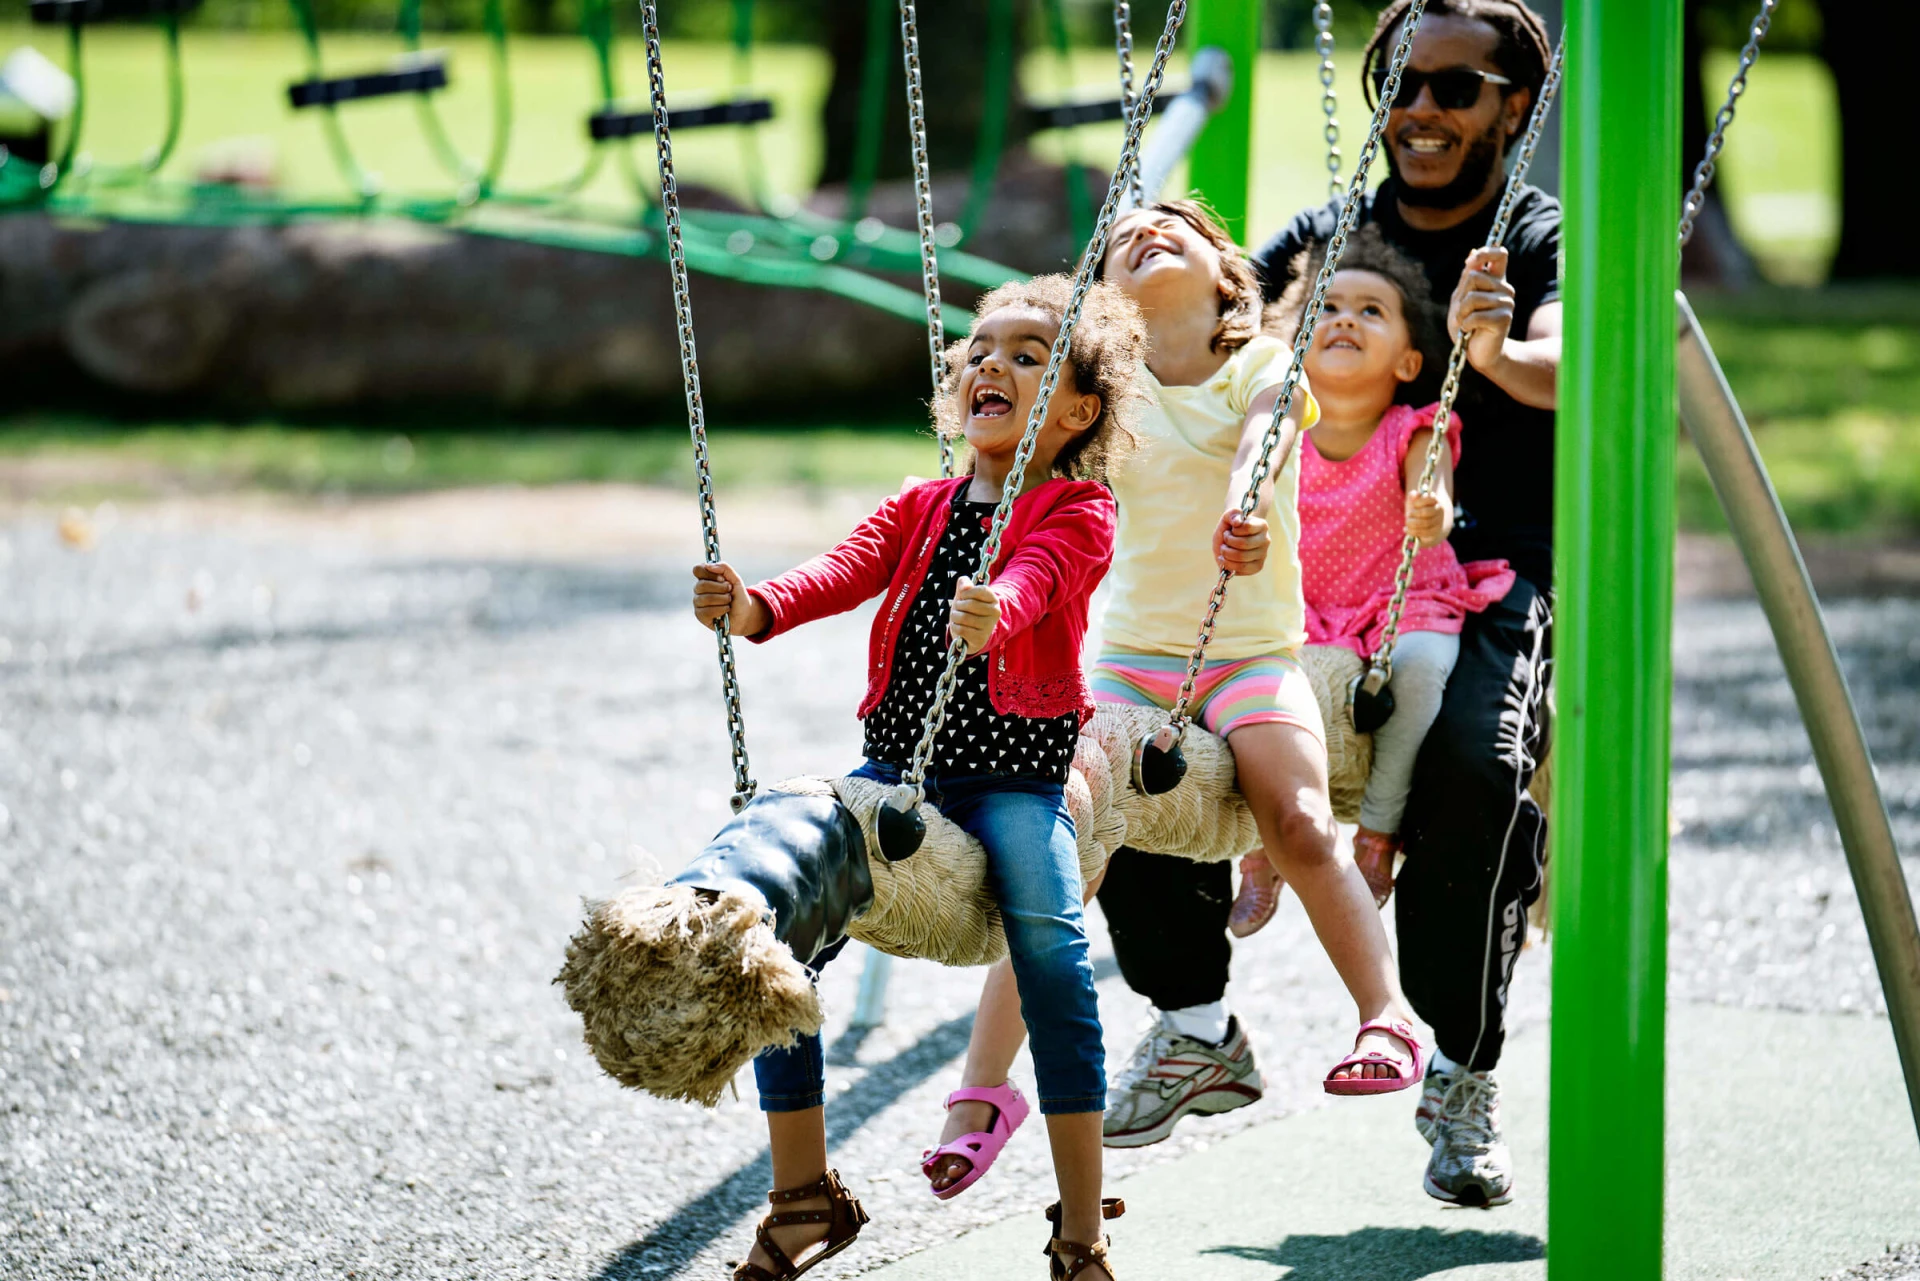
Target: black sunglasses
(1454,89)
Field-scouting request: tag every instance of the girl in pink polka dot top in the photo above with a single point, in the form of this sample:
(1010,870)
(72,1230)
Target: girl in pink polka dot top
(1360,471)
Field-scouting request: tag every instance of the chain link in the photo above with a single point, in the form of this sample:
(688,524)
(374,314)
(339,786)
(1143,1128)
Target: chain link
(1302,343)
(1123,44)
(743,784)
(923,212)
(1380,666)
(1723,119)
(1329,104)
(912,788)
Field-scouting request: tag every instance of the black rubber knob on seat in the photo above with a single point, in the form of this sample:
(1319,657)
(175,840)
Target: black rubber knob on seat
(902,832)
(1158,770)
(1371,708)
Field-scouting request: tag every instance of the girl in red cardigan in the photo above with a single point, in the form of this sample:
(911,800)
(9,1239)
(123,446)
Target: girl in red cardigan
(1003,755)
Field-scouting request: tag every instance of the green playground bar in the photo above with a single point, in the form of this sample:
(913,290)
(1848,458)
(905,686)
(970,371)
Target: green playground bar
(1613,579)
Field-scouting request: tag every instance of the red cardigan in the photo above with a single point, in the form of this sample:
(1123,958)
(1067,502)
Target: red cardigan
(1057,546)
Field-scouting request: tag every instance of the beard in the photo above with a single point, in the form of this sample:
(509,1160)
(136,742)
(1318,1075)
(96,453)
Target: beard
(1484,155)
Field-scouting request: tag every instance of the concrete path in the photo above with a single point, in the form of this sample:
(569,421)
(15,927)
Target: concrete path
(1793,1164)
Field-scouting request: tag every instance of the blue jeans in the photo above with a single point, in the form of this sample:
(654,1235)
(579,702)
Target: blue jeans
(1033,872)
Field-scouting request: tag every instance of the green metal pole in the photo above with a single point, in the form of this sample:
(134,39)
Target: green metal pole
(1221,162)
(1614,530)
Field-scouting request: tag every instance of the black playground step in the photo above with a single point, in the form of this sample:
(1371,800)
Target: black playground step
(421,76)
(1071,115)
(626,124)
(76,12)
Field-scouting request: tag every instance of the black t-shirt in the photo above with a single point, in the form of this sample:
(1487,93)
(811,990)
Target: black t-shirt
(1505,483)
(974,739)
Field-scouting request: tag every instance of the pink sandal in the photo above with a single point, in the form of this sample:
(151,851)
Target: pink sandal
(1404,1075)
(981,1148)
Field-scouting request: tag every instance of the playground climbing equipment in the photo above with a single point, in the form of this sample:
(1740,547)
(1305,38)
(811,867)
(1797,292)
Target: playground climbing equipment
(797,249)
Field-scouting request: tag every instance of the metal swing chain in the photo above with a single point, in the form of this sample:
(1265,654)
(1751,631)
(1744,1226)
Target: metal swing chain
(1723,120)
(1323,44)
(1123,45)
(1302,343)
(1381,664)
(744,786)
(923,212)
(911,789)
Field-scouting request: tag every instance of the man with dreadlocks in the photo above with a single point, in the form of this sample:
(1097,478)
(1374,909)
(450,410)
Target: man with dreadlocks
(1474,839)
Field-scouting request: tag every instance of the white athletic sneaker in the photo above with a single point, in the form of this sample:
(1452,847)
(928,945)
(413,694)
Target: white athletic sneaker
(1173,1074)
(1459,1114)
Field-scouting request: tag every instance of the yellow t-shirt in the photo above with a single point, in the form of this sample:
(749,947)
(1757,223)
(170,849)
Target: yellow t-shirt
(1171,497)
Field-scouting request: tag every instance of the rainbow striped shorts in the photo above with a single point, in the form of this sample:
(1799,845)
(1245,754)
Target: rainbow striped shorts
(1269,688)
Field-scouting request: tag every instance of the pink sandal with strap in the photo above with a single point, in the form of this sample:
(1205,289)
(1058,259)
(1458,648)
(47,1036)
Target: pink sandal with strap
(1405,1074)
(982,1147)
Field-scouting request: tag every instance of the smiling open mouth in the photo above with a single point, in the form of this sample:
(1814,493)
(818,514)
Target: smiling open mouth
(1425,144)
(1146,253)
(1342,344)
(991,403)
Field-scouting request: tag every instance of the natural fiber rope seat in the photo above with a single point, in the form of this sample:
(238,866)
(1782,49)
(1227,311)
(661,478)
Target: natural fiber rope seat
(935,905)
(679,986)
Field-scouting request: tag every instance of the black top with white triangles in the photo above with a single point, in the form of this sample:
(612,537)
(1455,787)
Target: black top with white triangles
(975,739)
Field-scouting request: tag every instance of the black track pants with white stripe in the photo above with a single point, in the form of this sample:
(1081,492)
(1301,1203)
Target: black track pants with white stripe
(1168,919)
(1474,839)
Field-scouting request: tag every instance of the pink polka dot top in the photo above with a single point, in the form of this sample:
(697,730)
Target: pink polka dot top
(1352,521)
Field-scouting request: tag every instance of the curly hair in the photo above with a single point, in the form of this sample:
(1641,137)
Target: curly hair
(1108,347)
(1522,55)
(1368,250)
(1240,298)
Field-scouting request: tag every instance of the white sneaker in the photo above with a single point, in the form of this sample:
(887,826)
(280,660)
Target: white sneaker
(1173,1074)
(1459,1114)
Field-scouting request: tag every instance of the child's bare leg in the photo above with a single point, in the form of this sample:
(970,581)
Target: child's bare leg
(998,1032)
(1283,774)
(798,1141)
(1075,1138)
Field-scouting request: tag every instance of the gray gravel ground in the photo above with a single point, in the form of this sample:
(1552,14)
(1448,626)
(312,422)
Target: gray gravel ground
(1895,1265)
(292,832)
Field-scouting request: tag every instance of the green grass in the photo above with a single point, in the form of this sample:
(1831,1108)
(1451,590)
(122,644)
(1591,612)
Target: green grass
(1830,383)
(1780,171)
(236,95)
(115,461)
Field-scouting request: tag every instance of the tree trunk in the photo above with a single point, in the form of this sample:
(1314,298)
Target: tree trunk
(1715,255)
(953,53)
(1868,47)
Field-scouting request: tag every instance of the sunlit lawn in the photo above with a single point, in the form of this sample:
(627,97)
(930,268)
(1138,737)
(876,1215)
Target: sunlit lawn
(1831,384)
(190,456)
(1780,169)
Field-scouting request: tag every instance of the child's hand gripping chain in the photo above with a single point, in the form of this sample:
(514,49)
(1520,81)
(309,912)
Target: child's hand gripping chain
(975,613)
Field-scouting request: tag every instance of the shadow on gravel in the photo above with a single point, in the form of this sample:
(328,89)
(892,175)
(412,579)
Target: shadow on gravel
(1389,1254)
(701,1222)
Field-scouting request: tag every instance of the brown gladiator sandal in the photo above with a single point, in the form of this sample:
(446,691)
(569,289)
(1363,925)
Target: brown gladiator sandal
(1068,1259)
(843,1219)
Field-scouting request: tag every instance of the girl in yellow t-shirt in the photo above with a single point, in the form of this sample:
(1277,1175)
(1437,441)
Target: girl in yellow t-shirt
(1212,380)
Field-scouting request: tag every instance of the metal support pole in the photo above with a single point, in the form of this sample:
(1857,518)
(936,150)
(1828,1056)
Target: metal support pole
(1222,164)
(870,1003)
(1614,535)
(1713,419)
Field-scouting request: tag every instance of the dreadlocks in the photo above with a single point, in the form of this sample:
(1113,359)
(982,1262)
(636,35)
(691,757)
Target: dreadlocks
(1522,54)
